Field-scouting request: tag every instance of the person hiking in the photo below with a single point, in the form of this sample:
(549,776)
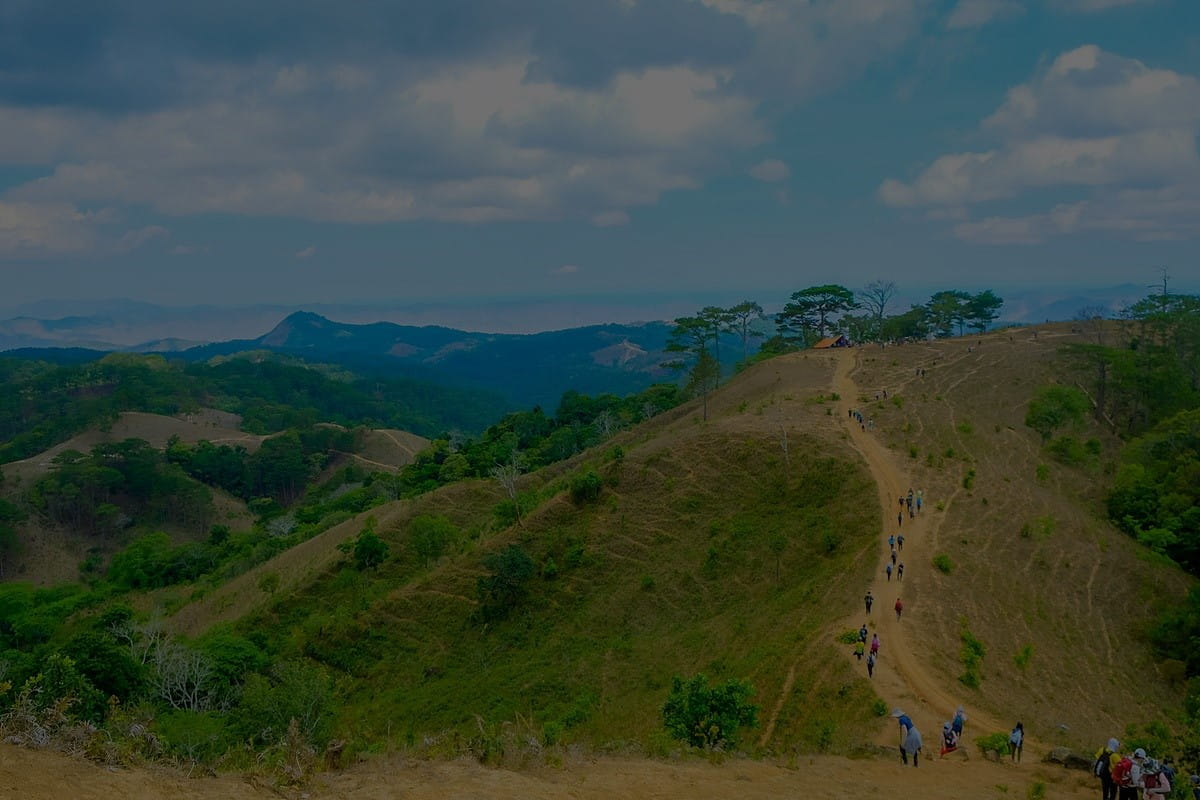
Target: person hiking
(859,648)
(871,665)
(918,504)
(868,600)
(899,608)
(862,633)
(1127,774)
(892,541)
(875,644)
(910,737)
(893,555)
(1016,740)
(888,570)
(960,717)
(900,571)
(1195,781)
(949,740)
(900,520)
(1155,782)
(900,541)
(1106,758)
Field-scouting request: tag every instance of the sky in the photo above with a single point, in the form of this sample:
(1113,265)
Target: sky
(442,151)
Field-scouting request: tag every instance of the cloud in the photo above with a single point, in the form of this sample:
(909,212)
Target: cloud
(460,111)
(977,13)
(565,269)
(608,219)
(32,230)
(1091,121)
(1093,6)
(134,239)
(771,171)
(307,252)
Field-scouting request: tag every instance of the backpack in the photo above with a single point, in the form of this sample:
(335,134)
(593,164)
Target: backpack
(1102,766)
(1120,773)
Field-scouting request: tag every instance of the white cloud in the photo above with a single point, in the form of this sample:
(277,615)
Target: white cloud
(307,252)
(771,170)
(1091,121)
(565,269)
(35,230)
(977,13)
(131,240)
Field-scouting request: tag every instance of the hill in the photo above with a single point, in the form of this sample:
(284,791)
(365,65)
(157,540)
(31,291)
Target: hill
(665,524)
(741,546)
(530,369)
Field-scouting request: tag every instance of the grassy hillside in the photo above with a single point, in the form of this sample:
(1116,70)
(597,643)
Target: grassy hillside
(1061,599)
(705,551)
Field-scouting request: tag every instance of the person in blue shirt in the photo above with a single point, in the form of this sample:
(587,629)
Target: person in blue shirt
(910,737)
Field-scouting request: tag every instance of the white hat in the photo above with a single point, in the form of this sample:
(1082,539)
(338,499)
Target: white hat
(1139,753)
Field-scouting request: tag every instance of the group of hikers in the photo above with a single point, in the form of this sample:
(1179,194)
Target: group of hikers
(1128,777)
(911,743)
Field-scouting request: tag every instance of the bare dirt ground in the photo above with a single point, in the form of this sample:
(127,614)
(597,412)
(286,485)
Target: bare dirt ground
(1073,590)
(32,775)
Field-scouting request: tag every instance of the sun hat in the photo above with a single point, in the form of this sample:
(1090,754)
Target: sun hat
(1150,766)
(897,712)
(1113,745)
(1139,753)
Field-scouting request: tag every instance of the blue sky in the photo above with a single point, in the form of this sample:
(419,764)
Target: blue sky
(455,150)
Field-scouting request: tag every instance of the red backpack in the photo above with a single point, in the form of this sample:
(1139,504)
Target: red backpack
(1120,773)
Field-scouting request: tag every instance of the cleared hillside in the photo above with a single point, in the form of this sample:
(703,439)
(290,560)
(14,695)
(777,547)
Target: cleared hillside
(1034,562)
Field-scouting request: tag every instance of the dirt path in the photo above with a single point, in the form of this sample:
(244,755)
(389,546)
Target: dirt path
(900,677)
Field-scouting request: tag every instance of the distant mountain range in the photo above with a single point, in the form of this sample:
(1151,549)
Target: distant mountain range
(529,369)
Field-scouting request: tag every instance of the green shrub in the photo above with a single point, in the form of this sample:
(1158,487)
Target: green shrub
(993,743)
(969,479)
(194,736)
(880,708)
(369,550)
(1055,406)
(849,637)
(502,590)
(586,487)
(429,535)
(711,718)
(1021,659)
(943,564)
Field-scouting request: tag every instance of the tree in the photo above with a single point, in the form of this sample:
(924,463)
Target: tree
(429,535)
(810,312)
(369,550)
(875,297)
(718,320)
(982,310)
(1055,406)
(741,321)
(504,587)
(912,324)
(506,474)
(708,717)
(690,338)
(947,310)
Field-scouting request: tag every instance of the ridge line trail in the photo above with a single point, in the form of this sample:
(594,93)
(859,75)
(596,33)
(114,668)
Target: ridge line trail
(901,679)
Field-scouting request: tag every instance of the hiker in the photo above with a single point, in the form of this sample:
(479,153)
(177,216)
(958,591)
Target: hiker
(899,608)
(1107,757)
(885,394)
(862,633)
(1127,775)
(900,571)
(960,716)
(900,520)
(900,542)
(1016,740)
(893,555)
(875,644)
(868,600)
(1155,782)
(910,738)
(871,665)
(918,504)
(892,540)
(1168,769)
(1195,779)
(859,647)
(949,740)
(888,570)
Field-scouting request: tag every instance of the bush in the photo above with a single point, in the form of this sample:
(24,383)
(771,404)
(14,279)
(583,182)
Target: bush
(193,735)
(943,564)
(993,743)
(296,691)
(711,718)
(1055,406)
(586,487)
(504,588)
(429,535)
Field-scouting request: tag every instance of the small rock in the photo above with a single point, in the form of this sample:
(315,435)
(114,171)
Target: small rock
(1068,758)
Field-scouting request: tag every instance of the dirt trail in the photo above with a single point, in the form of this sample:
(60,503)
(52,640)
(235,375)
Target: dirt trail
(900,677)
